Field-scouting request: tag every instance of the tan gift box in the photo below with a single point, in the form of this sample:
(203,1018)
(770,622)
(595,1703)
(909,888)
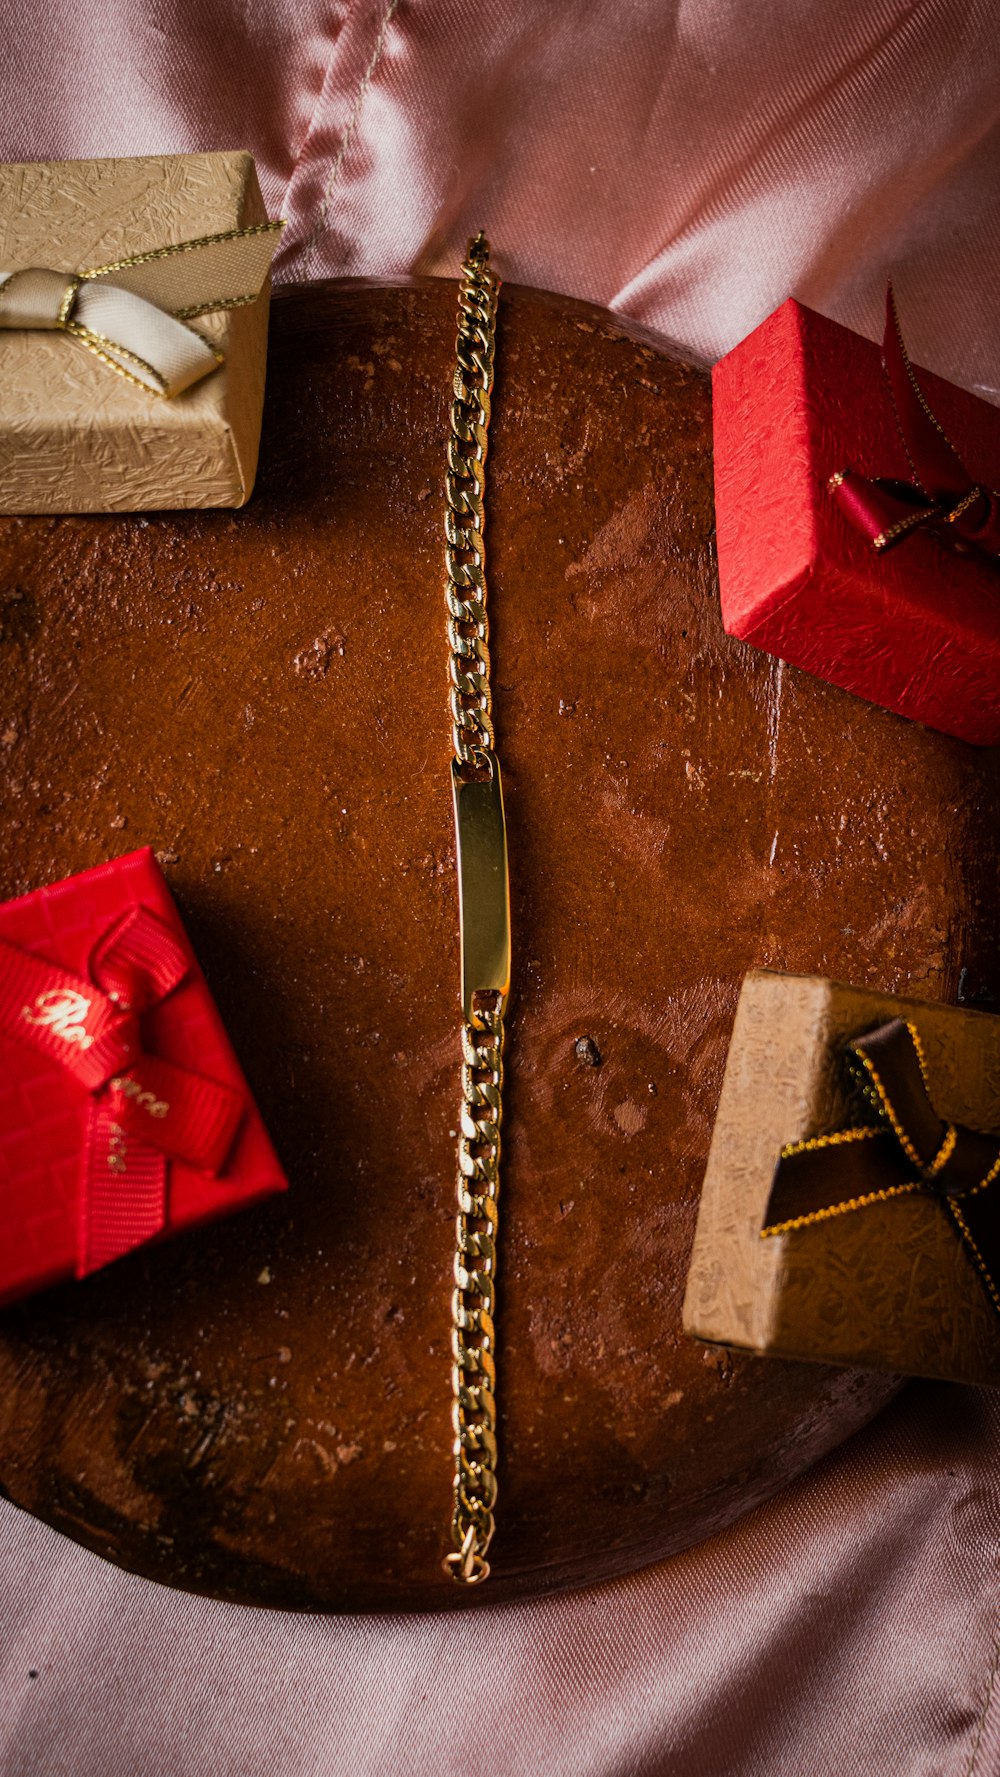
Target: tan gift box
(890,1285)
(75,434)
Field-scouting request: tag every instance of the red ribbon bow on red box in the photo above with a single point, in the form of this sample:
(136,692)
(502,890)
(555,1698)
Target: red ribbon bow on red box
(145,1111)
(942,492)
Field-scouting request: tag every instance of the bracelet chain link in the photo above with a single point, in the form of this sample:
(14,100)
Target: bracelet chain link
(473,1336)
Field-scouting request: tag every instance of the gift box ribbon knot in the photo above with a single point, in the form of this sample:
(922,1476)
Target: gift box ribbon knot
(145,1111)
(134,313)
(942,494)
(908,1148)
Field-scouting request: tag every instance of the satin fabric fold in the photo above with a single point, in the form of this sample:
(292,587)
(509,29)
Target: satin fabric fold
(848,1626)
(691,165)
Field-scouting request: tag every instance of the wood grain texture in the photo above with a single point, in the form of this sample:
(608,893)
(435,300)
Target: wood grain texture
(262,1411)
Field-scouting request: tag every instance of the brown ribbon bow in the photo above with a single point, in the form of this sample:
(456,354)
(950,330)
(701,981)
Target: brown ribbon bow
(943,495)
(908,1149)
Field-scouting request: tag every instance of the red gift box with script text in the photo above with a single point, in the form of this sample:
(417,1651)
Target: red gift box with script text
(124,1114)
(914,627)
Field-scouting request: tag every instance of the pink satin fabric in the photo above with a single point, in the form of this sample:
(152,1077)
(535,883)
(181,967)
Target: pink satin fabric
(847,1627)
(692,164)
(688,162)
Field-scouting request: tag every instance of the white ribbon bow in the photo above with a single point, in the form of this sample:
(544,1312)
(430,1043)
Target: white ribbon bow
(133,315)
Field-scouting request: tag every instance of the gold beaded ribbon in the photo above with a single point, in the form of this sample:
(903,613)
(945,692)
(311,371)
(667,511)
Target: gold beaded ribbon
(908,1148)
(133,314)
(943,495)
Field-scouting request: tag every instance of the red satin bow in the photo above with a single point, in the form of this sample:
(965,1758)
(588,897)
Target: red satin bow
(144,1111)
(942,494)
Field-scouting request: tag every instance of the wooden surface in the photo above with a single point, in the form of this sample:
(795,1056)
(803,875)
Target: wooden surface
(261,1411)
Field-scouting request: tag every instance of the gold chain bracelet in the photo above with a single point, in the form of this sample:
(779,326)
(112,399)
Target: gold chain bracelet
(484,915)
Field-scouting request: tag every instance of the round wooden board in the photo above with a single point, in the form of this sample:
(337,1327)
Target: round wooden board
(261,1410)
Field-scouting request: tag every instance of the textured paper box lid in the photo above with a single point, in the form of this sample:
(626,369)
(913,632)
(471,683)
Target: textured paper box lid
(889,1287)
(74,435)
(915,628)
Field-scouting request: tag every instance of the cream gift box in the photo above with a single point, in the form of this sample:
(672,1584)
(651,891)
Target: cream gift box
(878,1278)
(76,435)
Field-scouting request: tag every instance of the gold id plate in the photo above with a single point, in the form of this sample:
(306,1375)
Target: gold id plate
(483,889)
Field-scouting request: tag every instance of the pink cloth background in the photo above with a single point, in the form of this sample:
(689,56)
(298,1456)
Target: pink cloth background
(690,162)
(847,1627)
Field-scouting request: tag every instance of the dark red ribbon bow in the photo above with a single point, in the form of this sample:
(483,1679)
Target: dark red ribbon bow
(907,1148)
(144,1111)
(942,495)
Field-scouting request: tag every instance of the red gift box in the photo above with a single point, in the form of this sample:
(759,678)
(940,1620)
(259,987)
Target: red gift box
(914,627)
(124,1114)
